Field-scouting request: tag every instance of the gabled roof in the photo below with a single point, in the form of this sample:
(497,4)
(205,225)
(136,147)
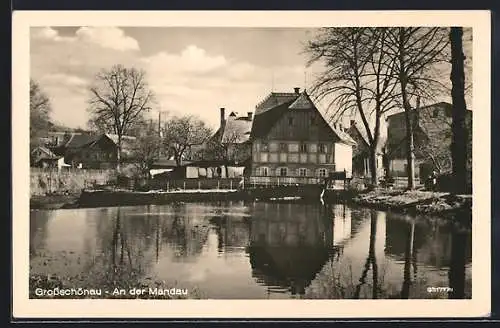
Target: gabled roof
(47,153)
(302,102)
(77,140)
(274,99)
(343,136)
(236,129)
(265,120)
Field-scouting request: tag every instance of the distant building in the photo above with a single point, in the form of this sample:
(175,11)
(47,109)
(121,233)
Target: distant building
(361,152)
(292,141)
(231,140)
(432,140)
(94,151)
(43,157)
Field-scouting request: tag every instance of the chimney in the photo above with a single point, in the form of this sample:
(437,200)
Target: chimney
(297,90)
(222,115)
(250,114)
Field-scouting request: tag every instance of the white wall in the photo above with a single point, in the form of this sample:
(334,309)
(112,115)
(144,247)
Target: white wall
(397,167)
(343,158)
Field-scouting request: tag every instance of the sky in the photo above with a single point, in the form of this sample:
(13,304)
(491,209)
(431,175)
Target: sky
(190,70)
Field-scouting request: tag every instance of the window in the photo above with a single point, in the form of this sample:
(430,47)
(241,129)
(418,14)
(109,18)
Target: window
(293,147)
(283,147)
(264,171)
(293,158)
(303,148)
(283,171)
(322,173)
(263,157)
(273,146)
(322,148)
(302,172)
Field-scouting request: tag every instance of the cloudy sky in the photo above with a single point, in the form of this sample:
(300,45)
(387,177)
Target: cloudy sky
(191,70)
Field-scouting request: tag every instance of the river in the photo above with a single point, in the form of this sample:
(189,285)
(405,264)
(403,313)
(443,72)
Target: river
(237,250)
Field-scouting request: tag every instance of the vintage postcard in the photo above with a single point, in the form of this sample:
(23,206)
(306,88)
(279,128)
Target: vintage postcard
(251,164)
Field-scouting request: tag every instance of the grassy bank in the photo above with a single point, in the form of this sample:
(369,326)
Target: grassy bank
(416,201)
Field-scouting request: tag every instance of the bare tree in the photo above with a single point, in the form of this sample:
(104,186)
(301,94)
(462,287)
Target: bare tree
(459,129)
(40,109)
(181,133)
(228,148)
(146,148)
(119,98)
(416,53)
(358,77)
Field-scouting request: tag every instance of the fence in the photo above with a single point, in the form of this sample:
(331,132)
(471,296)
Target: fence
(182,184)
(50,180)
(282,181)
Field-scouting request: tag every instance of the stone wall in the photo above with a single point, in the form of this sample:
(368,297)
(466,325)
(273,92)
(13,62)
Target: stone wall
(49,181)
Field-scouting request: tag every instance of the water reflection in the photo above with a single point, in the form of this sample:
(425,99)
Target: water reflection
(256,250)
(289,245)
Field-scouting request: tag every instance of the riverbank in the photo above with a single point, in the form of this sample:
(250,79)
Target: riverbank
(54,201)
(417,202)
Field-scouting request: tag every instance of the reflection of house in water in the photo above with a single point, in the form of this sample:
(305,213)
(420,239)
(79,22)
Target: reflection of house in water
(232,233)
(290,243)
(341,224)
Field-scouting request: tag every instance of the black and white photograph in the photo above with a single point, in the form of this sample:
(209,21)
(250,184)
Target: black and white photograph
(278,162)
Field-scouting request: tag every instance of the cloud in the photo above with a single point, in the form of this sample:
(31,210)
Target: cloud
(63,80)
(191,60)
(106,37)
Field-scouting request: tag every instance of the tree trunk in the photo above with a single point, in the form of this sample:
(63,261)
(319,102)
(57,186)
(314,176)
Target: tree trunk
(410,153)
(373,166)
(459,131)
(119,153)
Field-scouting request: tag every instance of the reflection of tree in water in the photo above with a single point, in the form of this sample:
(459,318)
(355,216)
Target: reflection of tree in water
(185,236)
(124,258)
(461,248)
(289,246)
(38,230)
(371,261)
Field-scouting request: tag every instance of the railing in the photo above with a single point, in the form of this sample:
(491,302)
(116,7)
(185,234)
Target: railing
(198,184)
(282,181)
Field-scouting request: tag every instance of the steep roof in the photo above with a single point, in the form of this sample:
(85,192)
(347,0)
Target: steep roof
(274,99)
(343,136)
(77,140)
(265,120)
(237,129)
(47,153)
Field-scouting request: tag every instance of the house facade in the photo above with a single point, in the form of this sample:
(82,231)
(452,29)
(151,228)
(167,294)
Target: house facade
(292,142)
(94,151)
(432,140)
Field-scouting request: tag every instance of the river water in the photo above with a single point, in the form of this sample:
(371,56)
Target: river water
(237,250)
